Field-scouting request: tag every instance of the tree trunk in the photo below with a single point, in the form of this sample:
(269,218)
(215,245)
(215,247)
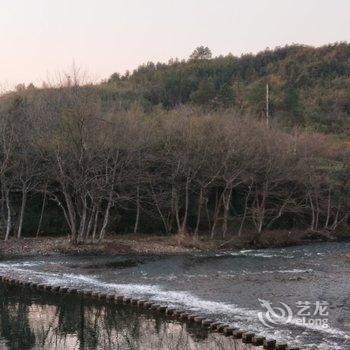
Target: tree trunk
(259,209)
(216,214)
(262,208)
(8,219)
(184,220)
(137,219)
(106,217)
(82,225)
(317,213)
(336,218)
(42,212)
(328,209)
(199,210)
(176,208)
(312,226)
(95,223)
(207,212)
(165,224)
(71,216)
(91,218)
(3,211)
(226,200)
(245,209)
(21,215)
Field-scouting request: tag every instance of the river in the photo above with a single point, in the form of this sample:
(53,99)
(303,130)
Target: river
(309,284)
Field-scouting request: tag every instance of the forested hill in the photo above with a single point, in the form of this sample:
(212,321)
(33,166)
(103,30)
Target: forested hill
(124,156)
(309,86)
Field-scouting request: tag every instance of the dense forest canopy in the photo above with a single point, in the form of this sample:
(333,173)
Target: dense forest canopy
(182,147)
(309,86)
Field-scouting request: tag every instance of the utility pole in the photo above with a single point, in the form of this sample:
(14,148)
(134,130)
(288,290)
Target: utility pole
(267,105)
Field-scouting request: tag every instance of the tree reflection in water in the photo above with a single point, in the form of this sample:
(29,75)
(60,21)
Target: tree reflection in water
(34,320)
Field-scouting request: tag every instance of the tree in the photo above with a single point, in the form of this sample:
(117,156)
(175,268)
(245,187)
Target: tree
(205,93)
(201,53)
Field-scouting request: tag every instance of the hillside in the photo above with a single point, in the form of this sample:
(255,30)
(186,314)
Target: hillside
(309,86)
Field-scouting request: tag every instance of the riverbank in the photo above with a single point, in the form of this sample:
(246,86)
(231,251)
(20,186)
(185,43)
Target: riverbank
(145,244)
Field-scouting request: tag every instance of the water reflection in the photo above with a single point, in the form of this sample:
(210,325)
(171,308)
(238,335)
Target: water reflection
(34,320)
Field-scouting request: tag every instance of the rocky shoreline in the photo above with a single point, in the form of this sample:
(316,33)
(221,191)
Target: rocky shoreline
(160,245)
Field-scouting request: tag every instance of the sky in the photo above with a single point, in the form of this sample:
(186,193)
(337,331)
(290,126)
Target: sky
(40,39)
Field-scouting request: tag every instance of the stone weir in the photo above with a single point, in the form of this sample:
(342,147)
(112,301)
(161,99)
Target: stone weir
(248,339)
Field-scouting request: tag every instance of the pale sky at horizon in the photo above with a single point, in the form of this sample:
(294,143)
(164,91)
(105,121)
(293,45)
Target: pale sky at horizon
(40,38)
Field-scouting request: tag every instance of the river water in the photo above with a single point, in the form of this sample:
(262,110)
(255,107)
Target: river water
(33,321)
(309,285)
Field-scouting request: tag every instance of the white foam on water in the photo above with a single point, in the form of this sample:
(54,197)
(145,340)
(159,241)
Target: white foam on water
(225,274)
(169,277)
(196,276)
(326,346)
(260,254)
(11,268)
(186,299)
(296,271)
(28,264)
(289,271)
